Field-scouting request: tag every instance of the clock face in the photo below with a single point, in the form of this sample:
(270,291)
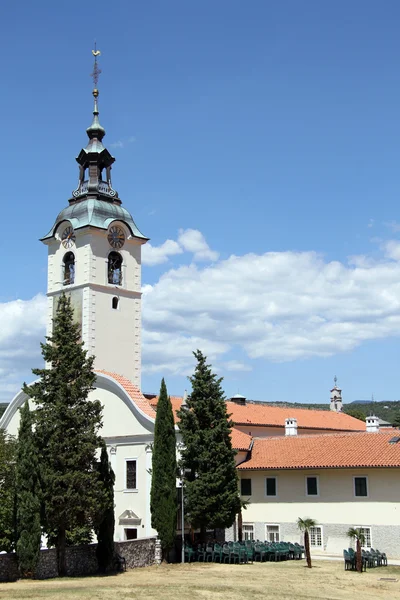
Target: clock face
(116,237)
(68,237)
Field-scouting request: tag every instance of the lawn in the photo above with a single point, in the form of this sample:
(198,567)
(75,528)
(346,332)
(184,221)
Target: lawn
(278,581)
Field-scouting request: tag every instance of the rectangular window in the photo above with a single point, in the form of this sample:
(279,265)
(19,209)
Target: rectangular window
(270,486)
(312,486)
(366,531)
(360,487)
(131,474)
(245,487)
(131,534)
(248,531)
(315,536)
(272,533)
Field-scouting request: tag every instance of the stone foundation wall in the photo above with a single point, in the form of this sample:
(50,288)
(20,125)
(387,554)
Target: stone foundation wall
(81,560)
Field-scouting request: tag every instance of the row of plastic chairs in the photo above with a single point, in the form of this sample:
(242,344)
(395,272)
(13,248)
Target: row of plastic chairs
(370,558)
(243,552)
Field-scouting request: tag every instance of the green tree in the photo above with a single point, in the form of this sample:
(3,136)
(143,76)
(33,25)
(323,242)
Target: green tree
(105,529)
(211,486)
(305,525)
(357,413)
(28,496)
(163,498)
(67,430)
(357,534)
(396,419)
(8,448)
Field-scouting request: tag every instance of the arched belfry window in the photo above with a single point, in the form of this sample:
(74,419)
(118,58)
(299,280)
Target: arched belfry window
(115,302)
(69,268)
(115,268)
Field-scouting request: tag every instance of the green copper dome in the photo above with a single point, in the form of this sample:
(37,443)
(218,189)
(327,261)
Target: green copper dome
(95,213)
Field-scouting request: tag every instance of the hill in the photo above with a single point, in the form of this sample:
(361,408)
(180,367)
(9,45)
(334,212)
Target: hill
(3,406)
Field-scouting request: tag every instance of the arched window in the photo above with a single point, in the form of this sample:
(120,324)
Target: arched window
(115,268)
(69,268)
(115,302)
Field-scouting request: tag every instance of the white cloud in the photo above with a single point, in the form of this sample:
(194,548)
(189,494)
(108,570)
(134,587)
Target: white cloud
(189,240)
(392,249)
(156,255)
(22,328)
(279,306)
(122,143)
(235,365)
(193,241)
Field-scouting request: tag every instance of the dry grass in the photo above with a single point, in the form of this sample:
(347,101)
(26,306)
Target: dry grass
(281,581)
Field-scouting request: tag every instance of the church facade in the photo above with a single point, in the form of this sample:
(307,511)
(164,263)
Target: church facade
(291,462)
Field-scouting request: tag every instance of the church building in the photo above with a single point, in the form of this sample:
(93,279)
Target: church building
(291,462)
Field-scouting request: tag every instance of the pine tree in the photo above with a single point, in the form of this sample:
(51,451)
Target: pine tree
(28,496)
(67,426)
(163,498)
(211,486)
(105,529)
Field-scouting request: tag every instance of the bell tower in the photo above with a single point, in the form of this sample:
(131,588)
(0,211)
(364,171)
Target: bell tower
(94,256)
(336,397)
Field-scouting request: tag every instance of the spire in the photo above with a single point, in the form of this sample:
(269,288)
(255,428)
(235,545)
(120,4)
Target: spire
(95,159)
(95,130)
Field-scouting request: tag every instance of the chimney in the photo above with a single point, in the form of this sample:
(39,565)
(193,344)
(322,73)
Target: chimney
(239,399)
(372,423)
(290,426)
(184,399)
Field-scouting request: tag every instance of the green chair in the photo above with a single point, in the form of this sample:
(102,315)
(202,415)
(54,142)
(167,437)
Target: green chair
(190,554)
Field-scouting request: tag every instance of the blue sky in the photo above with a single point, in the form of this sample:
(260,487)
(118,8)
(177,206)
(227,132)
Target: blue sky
(266,127)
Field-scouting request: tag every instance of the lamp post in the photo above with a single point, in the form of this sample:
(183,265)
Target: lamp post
(182,520)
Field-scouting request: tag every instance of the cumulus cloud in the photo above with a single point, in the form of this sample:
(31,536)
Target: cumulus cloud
(189,240)
(287,306)
(156,255)
(22,327)
(193,241)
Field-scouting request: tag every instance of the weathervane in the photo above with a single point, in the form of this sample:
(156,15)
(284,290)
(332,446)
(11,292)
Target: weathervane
(96,70)
(335,380)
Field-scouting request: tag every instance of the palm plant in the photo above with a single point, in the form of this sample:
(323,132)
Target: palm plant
(357,534)
(305,526)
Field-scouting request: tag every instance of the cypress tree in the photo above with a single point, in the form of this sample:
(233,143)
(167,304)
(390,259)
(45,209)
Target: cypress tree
(105,530)
(67,431)
(163,499)
(8,449)
(28,496)
(211,485)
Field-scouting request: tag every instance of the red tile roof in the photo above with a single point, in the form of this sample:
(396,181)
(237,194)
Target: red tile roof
(257,413)
(133,392)
(240,440)
(324,451)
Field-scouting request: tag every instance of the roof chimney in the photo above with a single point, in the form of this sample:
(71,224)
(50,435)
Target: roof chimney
(372,423)
(290,426)
(238,399)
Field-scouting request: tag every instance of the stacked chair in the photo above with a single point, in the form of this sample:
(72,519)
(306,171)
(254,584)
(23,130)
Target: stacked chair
(243,552)
(370,558)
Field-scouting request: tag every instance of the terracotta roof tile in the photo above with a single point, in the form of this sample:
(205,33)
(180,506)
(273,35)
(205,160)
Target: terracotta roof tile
(133,392)
(266,415)
(240,440)
(274,416)
(332,450)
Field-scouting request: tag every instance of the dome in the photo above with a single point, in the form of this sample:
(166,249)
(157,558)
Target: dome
(95,213)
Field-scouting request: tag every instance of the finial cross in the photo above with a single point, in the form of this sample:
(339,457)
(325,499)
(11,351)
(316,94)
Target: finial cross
(96,70)
(335,380)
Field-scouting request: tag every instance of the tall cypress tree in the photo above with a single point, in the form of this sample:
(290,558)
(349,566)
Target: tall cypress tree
(163,499)
(105,529)
(67,430)
(211,486)
(28,496)
(8,450)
